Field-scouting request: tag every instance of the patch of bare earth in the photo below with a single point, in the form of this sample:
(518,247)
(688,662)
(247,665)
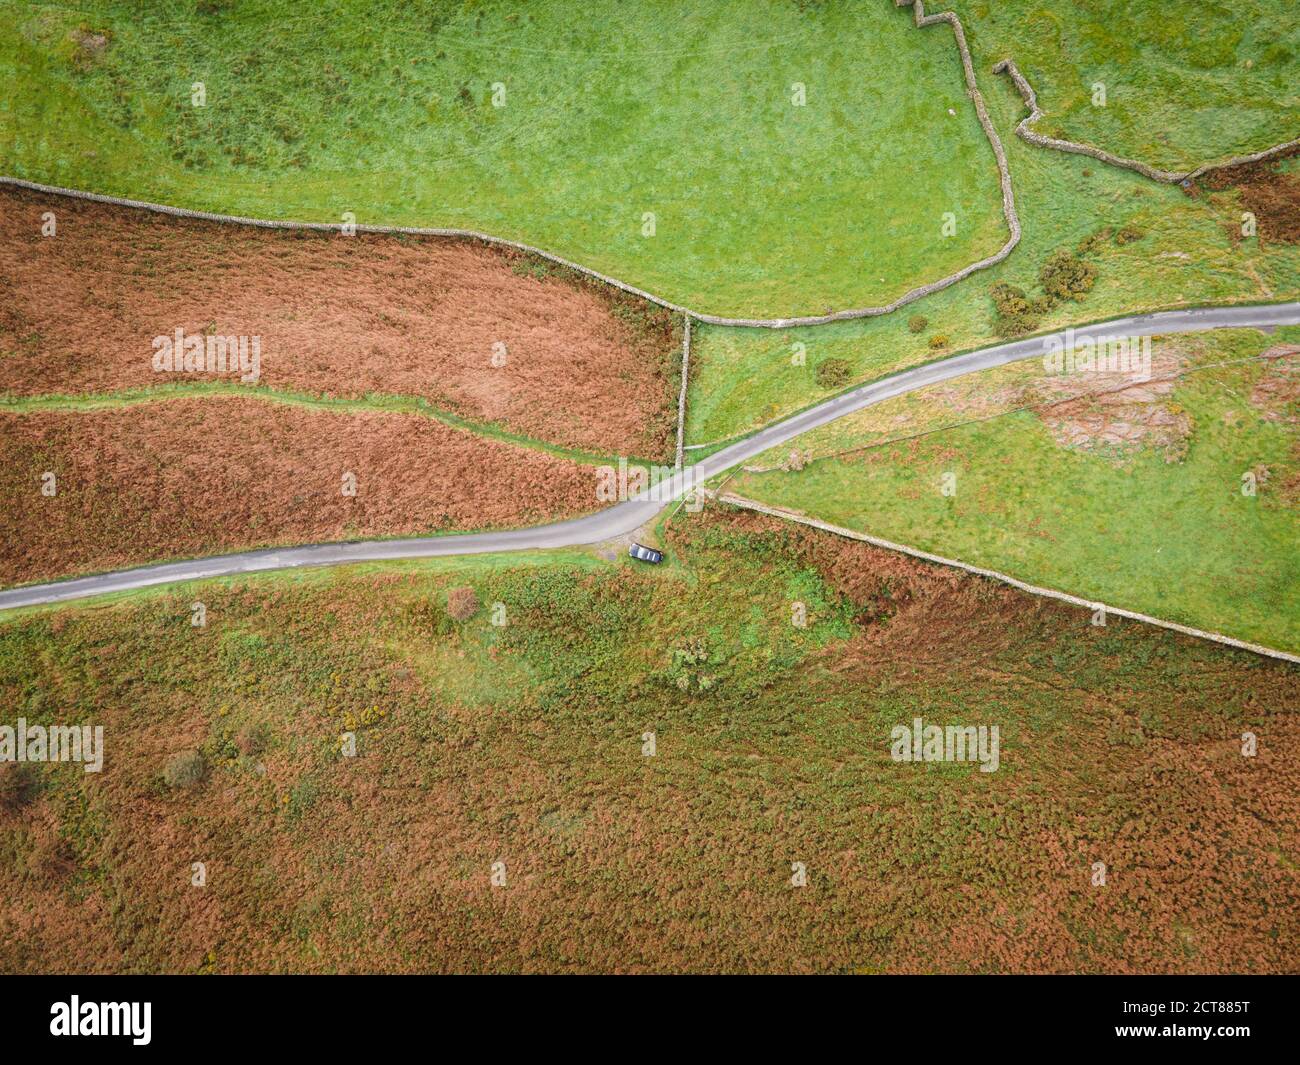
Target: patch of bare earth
(1276,396)
(1114,411)
(1090,409)
(1277,392)
(481,332)
(1108,411)
(189,477)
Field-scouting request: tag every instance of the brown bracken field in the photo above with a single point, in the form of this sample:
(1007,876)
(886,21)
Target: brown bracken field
(521,745)
(184,477)
(582,365)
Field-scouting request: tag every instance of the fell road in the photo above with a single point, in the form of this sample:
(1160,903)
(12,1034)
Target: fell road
(623,518)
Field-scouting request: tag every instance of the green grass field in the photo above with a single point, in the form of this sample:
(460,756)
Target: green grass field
(1131,528)
(610,111)
(743,378)
(1186,82)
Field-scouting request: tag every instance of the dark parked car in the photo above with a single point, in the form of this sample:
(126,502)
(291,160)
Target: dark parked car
(645,554)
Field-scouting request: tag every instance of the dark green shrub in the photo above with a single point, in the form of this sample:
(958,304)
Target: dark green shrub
(1014,312)
(833,373)
(917,323)
(1066,277)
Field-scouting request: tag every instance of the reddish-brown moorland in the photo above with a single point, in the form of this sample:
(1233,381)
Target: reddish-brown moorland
(485,333)
(521,744)
(185,477)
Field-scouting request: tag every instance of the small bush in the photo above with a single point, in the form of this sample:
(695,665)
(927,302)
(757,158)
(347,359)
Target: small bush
(1093,241)
(939,340)
(185,769)
(917,323)
(462,603)
(797,461)
(1014,312)
(1008,300)
(1128,235)
(1066,277)
(833,373)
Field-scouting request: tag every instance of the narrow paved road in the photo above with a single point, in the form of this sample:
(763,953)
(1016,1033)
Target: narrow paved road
(623,518)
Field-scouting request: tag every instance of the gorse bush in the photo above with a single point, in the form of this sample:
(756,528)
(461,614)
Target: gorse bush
(1014,312)
(1066,277)
(1093,241)
(833,373)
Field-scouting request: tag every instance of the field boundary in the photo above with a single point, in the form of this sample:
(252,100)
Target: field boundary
(1168,177)
(920,18)
(371,403)
(681,398)
(1033,589)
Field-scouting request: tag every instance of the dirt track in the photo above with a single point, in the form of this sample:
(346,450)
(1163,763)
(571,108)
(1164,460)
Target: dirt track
(186,477)
(584,366)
